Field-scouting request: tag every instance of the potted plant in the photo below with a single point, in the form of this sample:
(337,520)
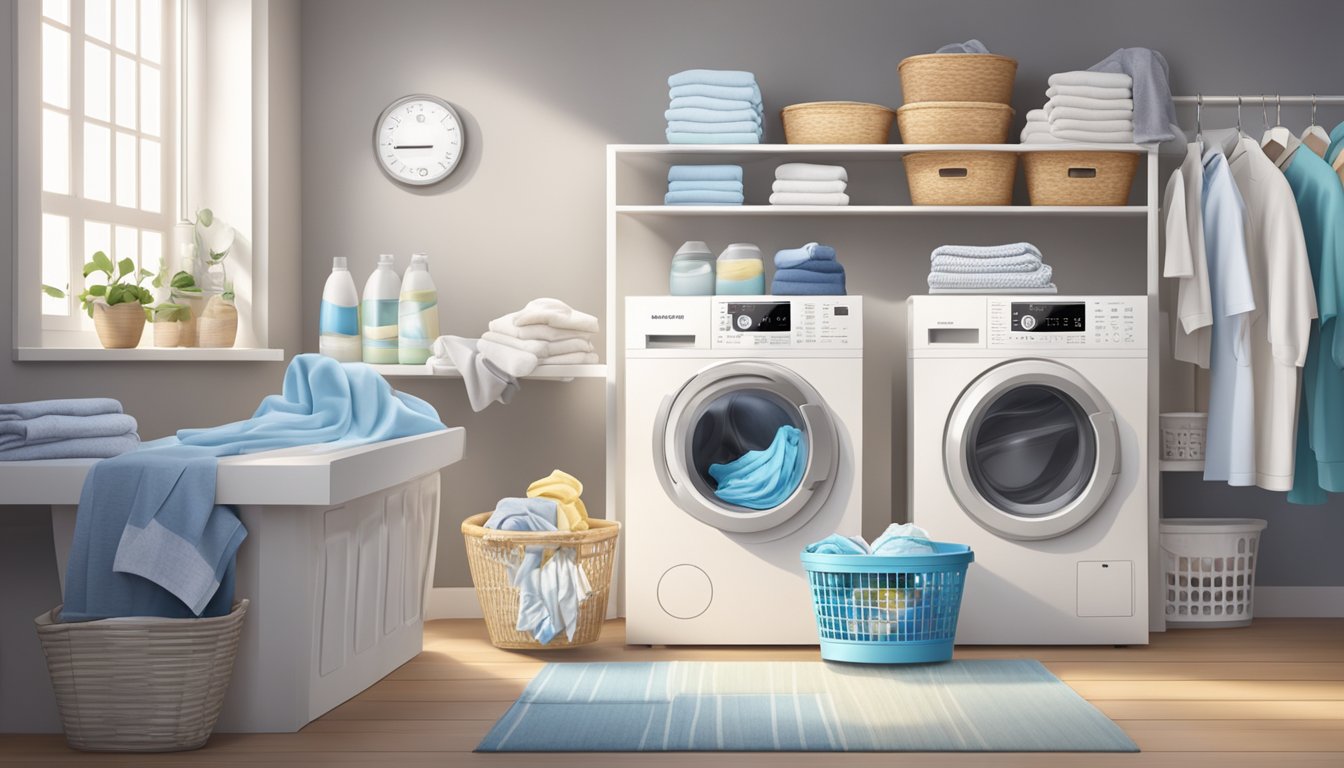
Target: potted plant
(116,305)
(184,304)
(213,239)
(170,321)
(218,324)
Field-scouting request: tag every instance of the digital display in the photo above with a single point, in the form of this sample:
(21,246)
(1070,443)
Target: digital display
(1031,317)
(760,318)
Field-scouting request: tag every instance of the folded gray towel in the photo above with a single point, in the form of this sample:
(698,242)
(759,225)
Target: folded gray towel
(77,448)
(1154,112)
(50,429)
(970,46)
(91,406)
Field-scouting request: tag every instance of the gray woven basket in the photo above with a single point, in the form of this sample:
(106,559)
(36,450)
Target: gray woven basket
(140,684)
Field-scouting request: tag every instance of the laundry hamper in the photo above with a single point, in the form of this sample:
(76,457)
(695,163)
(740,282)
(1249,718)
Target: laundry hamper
(1183,435)
(888,609)
(490,552)
(140,684)
(1208,570)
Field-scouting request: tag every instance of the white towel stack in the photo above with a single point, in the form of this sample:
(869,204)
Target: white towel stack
(1011,268)
(1086,107)
(545,332)
(809,184)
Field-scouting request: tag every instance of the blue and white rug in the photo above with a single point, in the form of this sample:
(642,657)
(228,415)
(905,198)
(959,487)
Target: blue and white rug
(960,706)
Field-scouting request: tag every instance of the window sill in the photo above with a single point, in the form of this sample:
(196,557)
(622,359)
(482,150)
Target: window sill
(147,354)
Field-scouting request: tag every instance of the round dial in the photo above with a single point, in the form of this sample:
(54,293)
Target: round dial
(1028,322)
(418,140)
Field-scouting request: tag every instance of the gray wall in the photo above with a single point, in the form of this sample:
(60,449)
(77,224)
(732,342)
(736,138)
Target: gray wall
(543,86)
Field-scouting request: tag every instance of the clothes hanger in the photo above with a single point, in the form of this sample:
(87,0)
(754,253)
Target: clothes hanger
(1199,124)
(1315,137)
(1275,140)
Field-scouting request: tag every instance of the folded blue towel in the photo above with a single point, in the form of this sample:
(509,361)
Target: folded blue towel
(693,114)
(1040,278)
(792,257)
(74,448)
(89,406)
(764,479)
(737,93)
(745,126)
(703,197)
(814,272)
(705,186)
(704,173)
(711,77)
(711,103)
(835,544)
(674,137)
(791,288)
(53,428)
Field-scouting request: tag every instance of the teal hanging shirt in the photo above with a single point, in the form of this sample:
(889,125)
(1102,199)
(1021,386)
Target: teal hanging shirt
(1320,434)
(1336,144)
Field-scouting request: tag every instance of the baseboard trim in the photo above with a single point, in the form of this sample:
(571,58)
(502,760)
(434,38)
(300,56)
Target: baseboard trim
(453,603)
(1299,602)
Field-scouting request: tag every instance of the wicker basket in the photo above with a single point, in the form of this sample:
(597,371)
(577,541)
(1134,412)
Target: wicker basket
(958,77)
(140,684)
(954,122)
(837,122)
(1080,178)
(961,178)
(490,552)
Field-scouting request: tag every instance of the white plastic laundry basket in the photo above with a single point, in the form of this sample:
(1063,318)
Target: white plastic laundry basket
(1183,436)
(1208,569)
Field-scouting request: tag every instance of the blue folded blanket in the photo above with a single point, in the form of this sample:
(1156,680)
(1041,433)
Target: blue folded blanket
(74,448)
(764,479)
(835,544)
(792,257)
(814,272)
(744,126)
(705,186)
(780,287)
(693,114)
(750,93)
(712,103)
(711,77)
(149,539)
(53,428)
(89,406)
(676,137)
(704,173)
(703,197)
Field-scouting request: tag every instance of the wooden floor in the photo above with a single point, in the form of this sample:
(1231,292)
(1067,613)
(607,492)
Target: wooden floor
(1268,695)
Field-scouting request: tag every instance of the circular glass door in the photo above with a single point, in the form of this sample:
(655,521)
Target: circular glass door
(1031,449)
(746,447)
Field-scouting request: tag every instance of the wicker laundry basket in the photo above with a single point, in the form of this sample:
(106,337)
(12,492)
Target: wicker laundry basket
(140,684)
(958,77)
(954,122)
(490,552)
(837,122)
(961,178)
(1080,178)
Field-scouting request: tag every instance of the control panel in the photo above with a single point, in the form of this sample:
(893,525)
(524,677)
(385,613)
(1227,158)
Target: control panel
(769,322)
(1110,322)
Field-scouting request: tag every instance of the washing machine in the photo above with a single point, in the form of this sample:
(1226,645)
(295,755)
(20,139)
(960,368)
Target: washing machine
(1028,441)
(708,379)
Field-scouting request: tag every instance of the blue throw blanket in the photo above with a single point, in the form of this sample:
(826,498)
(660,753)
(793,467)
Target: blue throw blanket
(681,137)
(149,539)
(764,479)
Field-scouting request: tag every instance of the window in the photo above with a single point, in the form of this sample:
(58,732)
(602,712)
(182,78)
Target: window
(107,156)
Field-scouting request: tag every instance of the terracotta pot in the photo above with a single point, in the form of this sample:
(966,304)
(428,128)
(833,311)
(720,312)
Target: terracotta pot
(119,326)
(167,333)
(218,327)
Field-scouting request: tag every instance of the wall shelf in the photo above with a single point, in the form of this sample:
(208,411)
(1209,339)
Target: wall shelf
(146,354)
(1180,466)
(881,210)
(855,151)
(543,372)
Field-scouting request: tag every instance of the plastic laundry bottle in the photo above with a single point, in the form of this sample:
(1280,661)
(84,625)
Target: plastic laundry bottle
(338,321)
(379,313)
(692,272)
(417,313)
(740,271)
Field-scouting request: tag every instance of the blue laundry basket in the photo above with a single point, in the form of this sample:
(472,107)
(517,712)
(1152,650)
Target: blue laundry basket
(888,609)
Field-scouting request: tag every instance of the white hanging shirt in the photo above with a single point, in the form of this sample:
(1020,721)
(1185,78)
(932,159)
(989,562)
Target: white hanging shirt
(1185,259)
(1285,301)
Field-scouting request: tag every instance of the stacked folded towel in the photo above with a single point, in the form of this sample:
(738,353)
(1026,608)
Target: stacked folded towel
(93,428)
(808,271)
(713,106)
(1015,267)
(809,184)
(545,332)
(1089,107)
(704,185)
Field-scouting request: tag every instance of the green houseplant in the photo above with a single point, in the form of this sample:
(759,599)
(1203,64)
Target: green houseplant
(174,319)
(117,305)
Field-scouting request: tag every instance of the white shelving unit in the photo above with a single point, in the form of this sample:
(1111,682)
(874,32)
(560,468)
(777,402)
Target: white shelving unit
(636,180)
(543,372)
(161,354)
(1180,466)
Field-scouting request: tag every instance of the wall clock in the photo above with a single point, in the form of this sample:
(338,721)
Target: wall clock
(418,140)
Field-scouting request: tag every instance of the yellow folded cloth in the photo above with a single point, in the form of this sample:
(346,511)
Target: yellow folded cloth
(739,269)
(565,489)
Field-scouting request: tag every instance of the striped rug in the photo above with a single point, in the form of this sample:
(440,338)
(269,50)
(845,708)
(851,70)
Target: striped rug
(960,706)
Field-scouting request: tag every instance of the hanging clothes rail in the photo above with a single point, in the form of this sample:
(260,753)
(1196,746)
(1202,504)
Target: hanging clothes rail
(1269,98)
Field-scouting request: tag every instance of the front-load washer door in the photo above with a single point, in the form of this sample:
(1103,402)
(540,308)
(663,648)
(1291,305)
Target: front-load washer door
(1031,449)
(727,410)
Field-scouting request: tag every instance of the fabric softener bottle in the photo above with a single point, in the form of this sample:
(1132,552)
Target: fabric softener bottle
(338,322)
(418,313)
(379,312)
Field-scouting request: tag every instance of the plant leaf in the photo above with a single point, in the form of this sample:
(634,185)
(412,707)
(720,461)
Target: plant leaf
(125,267)
(97,290)
(53,291)
(100,263)
(205,216)
(183,281)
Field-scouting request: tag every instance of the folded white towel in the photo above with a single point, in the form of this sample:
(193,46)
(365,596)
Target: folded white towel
(505,326)
(1023,263)
(1074,113)
(1002,251)
(811,172)
(556,314)
(572,358)
(1037,116)
(809,198)
(539,347)
(1035,128)
(1018,290)
(1090,92)
(1084,102)
(790,185)
(1078,137)
(514,362)
(1094,79)
(1035,279)
(1092,126)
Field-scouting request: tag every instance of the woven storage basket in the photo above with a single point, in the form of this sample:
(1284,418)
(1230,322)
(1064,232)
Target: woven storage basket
(1080,178)
(954,122)
(490,552)
(837,122)
(140,684)
(958,77)
(961,178)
